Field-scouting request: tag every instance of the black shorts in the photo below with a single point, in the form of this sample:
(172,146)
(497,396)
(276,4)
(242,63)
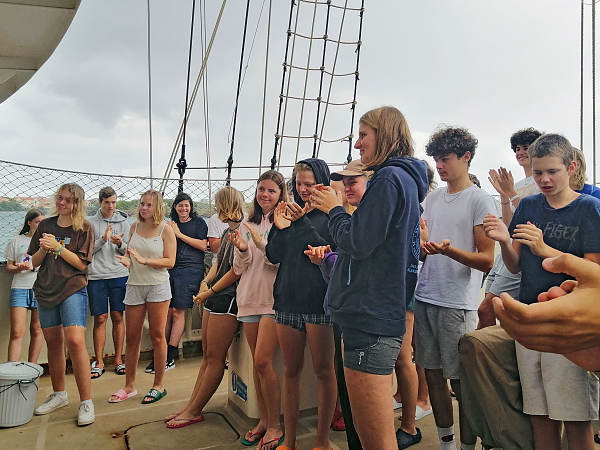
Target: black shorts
(222,304)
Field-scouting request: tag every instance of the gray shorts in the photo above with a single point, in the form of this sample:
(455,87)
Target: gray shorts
(139,295)
(555,387)
(370,353)
(500,280)
(438,330)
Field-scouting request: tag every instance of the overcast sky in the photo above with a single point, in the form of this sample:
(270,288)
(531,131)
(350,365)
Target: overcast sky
(493,67)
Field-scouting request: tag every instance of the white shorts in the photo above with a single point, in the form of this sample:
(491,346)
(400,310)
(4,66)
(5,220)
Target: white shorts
(139,295)
(555,387)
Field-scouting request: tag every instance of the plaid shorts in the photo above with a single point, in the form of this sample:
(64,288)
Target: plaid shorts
(299,321)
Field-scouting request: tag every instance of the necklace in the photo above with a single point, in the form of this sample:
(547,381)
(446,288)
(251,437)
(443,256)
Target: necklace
(455,195)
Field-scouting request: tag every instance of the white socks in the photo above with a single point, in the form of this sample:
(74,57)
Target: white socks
(446,436)
(62,394)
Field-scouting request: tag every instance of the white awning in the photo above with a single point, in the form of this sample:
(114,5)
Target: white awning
(30,31)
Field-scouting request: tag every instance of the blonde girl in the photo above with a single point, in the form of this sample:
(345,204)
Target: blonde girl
(219,319)
(151,251)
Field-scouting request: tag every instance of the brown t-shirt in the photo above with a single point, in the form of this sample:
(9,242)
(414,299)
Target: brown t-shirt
(57,279)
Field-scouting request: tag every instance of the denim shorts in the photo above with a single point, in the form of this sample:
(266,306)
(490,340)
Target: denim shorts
(255,318)
(370,353)
(105,292)
(71,312)
(185,283)
(299,321)
(23,298)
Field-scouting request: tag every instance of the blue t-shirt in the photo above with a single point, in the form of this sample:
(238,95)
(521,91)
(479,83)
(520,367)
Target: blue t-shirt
(588,189)
(188,256)
(573,229)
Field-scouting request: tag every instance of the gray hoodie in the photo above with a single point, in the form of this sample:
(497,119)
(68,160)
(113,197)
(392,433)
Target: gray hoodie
(104,265)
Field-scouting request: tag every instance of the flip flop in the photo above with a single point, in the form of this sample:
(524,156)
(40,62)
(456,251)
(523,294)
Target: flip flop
(121,395)
(120,369)
(184,422)
(278,440)
(258,434)
(171,417)
(97,372)
(420,412)
(155,395)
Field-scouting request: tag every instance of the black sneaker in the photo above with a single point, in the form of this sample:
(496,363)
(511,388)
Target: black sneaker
(150,367)
(170,365)
(405,439)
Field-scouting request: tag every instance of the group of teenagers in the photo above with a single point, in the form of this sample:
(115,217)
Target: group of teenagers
(356,271)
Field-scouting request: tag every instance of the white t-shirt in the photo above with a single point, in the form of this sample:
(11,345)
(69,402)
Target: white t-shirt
(15,251)
(444,281)
(215,230)
(525,187)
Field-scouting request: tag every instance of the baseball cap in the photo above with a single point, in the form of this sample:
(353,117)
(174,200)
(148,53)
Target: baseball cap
(353,169)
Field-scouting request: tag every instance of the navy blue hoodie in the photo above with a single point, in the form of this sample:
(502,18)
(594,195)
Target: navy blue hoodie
(299,286)
(375,275)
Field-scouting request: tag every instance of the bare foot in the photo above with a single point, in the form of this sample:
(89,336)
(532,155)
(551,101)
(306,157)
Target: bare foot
(255,433)
(183,417)
(171,416)
(271,439)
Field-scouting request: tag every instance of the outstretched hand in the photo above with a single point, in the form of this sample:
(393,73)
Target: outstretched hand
(254,234)
(424,231)
(495,229)
(294,211)
(279,216)
(124,260)
(325,198)
(133,254)
(237,239)
(566,319)
(317,254)
(530,235)
(441,248)
(503,182)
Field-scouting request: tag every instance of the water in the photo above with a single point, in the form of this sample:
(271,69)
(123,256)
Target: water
(11,223)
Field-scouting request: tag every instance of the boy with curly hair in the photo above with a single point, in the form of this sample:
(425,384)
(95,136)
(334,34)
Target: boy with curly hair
(456,252)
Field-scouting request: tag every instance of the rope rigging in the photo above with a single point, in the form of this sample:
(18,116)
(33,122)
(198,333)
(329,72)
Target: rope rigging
(237,97)
(303,98)
(323,93)
(182,164)
(199,79)
(353,108)
(264,103)
(150,97)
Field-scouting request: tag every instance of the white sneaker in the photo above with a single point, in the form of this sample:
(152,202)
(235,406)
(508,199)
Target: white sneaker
(86,414)
(54,401)
(396,404)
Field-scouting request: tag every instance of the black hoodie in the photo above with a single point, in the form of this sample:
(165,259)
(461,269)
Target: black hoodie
(299,287)
(375,274)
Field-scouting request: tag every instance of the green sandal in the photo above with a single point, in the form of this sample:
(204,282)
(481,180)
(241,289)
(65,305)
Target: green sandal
(154,395)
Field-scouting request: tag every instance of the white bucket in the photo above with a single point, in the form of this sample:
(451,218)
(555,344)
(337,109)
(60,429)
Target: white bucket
(18,390)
